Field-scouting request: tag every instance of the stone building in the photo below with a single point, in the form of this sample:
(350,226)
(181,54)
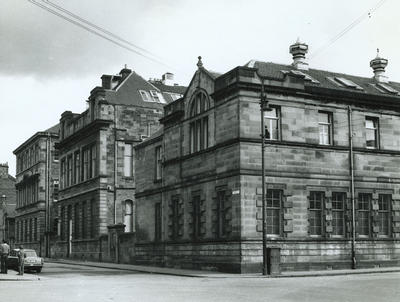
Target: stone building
(97,180)
(37,179)
(7,204)
(332,148)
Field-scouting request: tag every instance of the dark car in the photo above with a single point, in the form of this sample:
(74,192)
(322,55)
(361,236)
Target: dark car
(31,262)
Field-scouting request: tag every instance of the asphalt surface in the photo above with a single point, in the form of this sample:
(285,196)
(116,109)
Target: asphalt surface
(64,282)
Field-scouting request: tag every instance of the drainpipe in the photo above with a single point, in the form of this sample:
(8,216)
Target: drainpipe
(47,205)
(263,102)
(353,210)
(115,163)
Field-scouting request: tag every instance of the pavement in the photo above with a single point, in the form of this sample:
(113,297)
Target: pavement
(213,274)
(13,276)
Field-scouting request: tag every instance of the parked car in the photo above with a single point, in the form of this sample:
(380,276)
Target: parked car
(31,262)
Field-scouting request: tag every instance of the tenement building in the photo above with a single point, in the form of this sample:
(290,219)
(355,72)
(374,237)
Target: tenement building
(97,179)
(37,189)
(332,171)
(7,204)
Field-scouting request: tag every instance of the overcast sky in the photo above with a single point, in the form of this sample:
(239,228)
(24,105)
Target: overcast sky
(48,65)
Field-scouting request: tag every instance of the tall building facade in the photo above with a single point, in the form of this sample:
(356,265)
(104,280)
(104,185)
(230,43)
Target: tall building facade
(7,204)
(332,171)
(37,181)
(96,148)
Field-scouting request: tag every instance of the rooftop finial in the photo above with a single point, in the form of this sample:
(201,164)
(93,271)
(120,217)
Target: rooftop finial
(199,63)
(378,65)
(125,66)
(298,51)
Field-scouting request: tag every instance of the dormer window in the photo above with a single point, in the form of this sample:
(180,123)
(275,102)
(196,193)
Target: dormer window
(155,96)
(345,83)
(145,95)
(199,125)
(384,88)
(152,96)
(175,96)
(302,75)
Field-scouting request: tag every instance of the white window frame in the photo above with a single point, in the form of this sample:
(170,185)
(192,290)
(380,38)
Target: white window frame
(322,125)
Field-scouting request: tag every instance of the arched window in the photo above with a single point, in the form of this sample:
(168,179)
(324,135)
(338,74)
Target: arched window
(128,218)
(199,126)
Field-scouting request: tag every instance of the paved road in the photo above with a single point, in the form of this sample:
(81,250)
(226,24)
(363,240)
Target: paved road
(62,282)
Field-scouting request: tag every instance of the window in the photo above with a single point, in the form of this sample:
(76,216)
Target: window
(196,217)
(69,171)
(77,167)
(158,163)
(364,202)
(271,123)
(386,88)
(273,211)
(157,220)
(199,127)
(346,83)
(338,201)
(175,218)
(315,213)
(83,220)
(128,218)
(384,201)
(128,160)
(30,230)
(85,165)
(36,153)
(76,221)
(63,170)
(93,161)
(145,95)
(371,132)
(92,218)
(175,96)
(325,128)
(221,214)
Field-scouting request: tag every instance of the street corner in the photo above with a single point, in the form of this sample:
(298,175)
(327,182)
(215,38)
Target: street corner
(13,276)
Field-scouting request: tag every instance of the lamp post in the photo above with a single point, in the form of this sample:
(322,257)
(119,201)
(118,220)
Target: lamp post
(263,107)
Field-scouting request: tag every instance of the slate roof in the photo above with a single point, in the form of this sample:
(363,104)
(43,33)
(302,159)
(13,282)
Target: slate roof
(278,72)
(55,129)
(127,92)
(165,88)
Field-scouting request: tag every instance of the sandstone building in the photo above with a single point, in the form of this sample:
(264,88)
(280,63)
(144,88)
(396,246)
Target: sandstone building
(96,149)
(332,165)
(37,177)
(7,204)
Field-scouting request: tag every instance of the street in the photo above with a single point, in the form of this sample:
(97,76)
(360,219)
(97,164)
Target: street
(63,282)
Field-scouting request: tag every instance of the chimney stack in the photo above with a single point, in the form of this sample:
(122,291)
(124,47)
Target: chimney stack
(298,51)
(378,65)
(125,72)
(4,170)
(168,79)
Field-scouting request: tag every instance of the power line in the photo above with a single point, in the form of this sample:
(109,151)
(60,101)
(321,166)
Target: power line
(347,29)
(102,29)
(95,32)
